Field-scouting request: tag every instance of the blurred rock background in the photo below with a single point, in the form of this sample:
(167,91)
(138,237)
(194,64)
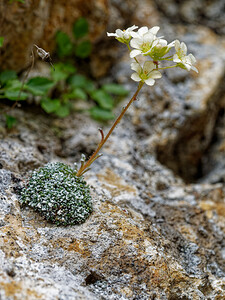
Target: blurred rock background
(157,230)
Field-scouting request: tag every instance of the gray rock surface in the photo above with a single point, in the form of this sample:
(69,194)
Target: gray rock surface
(209,13)
(152,235)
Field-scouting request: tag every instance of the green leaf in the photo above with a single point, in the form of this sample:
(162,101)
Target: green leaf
(63,111)
(10,121)
(89,86)
(78,93)
(1,41)
(14,84)
(100,114)
(83,49)
(12,90)
(80,28)
(39,85)
(21,1)
(15,95)
(115,89)
(78,81)
(64,44)
(7,75)
(62,71)
(103,99)
(50,105)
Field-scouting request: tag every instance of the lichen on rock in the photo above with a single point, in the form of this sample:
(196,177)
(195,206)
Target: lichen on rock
(58,194)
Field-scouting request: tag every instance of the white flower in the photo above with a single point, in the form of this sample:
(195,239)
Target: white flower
(160,49)
(187,61)
(143,30)
(163,43)
(146,74)
(123,36)
(143,40)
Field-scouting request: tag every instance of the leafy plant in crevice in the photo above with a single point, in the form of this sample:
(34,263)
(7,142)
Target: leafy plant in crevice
(65,84)
(78,46)
(155,51)
(10,120)
(20,1)
(57,93)
(79,85)
(71,85)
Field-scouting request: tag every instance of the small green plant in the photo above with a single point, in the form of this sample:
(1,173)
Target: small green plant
(21,1)
(57,93)
(56,190)
(58,194)
(80,46)
(10,121)
(67,86)
(1,41)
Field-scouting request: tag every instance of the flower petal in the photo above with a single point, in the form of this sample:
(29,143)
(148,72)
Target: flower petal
(136,67)
(187,66)
(135,35)
(192,59)
(148,37)
(176,58)
(148,66)
(194,69)
(154,30)
(183,48)
(150,81)
(177,45)
(172,44)
(162,42)
(132,28)
(134,53)
(135,77)
(142,30)
(119,32)
(111,34)
(155,42)
(136,43)
(155,74)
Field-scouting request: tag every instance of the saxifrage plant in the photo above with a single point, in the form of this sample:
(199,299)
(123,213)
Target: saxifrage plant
(155,50)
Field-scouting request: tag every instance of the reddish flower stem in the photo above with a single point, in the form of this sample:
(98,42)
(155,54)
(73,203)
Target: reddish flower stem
(85,167)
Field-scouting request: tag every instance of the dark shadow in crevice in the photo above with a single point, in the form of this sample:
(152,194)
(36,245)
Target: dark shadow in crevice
(191,154)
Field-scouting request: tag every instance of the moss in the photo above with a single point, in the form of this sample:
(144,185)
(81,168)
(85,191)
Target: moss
(58,194)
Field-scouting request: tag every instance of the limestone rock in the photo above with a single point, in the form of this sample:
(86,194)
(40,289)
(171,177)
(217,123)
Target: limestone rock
(151,235)
(184,106)
(210,14)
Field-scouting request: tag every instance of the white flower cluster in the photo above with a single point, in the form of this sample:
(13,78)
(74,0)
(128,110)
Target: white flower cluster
(183,60)
(145,42)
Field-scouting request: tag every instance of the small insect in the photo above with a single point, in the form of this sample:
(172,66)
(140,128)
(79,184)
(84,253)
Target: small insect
(44,55)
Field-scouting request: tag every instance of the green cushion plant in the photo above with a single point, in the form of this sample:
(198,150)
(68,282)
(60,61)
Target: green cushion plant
(58,194)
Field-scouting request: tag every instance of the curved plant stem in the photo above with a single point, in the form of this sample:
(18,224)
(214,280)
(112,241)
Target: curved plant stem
(169,67)
(85,167)
(44,56)
(28,72)
(23,83)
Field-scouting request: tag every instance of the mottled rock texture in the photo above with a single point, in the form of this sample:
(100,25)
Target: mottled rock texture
(210,13)
(152,234)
